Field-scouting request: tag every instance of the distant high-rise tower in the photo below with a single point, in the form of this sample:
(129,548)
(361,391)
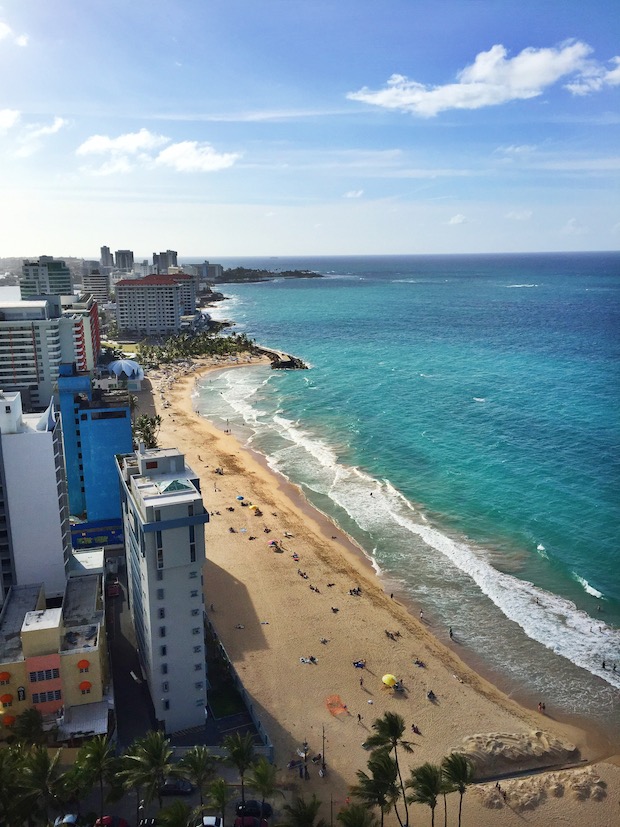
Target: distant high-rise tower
(35,534)
(124,259)
(162,261)
(164,520)
(107,259)
(47,276)
(98,284)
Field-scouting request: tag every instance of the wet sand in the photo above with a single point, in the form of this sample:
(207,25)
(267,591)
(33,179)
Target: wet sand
(286,619)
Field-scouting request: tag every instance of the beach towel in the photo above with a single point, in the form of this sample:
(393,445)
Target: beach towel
(335,705)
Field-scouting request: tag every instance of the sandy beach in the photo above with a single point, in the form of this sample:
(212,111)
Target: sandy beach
(293,629)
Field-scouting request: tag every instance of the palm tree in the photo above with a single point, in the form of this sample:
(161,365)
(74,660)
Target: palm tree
(388,734)
(380,788)
(302,813)
(198,766)
(219,794)
(357,815)
(40,777)
(427,785)
(263,779)
(240,749)
(178,814)
(12,812)
(458,771)
(98,760)
(73,785)
(147,763)
(28,727)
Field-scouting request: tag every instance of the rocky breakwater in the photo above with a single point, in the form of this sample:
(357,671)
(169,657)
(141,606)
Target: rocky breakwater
(282,361)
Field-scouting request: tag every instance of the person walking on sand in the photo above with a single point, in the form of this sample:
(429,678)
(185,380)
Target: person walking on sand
(451,633)
(421,615)
(361,681)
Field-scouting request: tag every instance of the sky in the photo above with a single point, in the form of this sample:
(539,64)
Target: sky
(309,127)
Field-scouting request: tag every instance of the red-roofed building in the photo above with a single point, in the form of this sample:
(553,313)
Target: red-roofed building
(154,304)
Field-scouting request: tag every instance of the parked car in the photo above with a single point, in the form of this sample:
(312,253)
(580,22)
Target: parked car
(176,786)
(250,821)
(209,821)
(111,821)
(251,807)
(68,820)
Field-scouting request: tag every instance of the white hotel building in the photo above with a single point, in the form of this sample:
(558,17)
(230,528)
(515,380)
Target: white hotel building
(164,518)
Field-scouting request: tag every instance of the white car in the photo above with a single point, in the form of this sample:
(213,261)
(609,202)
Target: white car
(210,821)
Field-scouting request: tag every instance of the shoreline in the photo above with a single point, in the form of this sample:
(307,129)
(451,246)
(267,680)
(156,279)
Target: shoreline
(334,559)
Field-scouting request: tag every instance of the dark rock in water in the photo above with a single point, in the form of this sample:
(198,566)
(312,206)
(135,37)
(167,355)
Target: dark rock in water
(288,363)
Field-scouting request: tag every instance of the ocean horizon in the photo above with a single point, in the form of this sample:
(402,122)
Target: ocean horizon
(459,421)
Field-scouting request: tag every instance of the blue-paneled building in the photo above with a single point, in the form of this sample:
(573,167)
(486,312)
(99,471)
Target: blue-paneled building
(96,425)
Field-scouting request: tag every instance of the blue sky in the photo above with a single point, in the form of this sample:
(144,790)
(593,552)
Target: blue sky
(236,127)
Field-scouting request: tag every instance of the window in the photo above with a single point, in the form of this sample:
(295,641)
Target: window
(166,705)
(195,612)
(193,575)
(190,508)
(157,515)
(198,667)
(160,575)
(165,687)
(198,685)
(196,630)
(160,557)
(164,668)
(161,613)
(162,631)
(42,697)
(160,594)
(193,593)
(85,691)
(192,553)
(7,409)
(84,669)
(199,702)
(197,649)
(44,675)
(151,465)
(163,651)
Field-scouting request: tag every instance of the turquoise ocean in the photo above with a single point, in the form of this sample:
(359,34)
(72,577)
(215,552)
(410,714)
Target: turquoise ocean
(461,421)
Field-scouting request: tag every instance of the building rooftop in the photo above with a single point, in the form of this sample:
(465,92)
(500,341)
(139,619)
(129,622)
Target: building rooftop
(40,619)
(115,398)
(20,600)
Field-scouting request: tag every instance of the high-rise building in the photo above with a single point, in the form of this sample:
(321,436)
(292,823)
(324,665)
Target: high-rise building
(107,259)
(30,351)
(164,520)
(162,261)
(98,285)
(47,276)
(152,305)
(96,425)
(35,535)
(80,337)
(124,259)
(215,272)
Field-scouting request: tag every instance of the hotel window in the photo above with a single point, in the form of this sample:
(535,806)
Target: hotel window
(85,691)
(192,553)
(197,649)
(161,613)
(44,675)
(157,515)
(159,575)
(195,612)
(166,705)
(190,508)
(193,593)
(163,651)
(84,669)
(193,575)
(199,702)
(165,687)
(196,630)
(198,685)
(160,594)
(162,631)
(164,668)
(160,558)
(198,667)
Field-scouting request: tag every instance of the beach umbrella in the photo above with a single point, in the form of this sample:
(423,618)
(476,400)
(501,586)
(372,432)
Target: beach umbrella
(253,507)
(240,498)
(389,680)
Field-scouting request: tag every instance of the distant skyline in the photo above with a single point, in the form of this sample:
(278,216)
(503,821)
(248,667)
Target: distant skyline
(323,127)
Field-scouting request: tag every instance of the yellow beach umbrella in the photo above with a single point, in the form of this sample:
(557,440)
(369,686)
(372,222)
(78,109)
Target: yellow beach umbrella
(253,507)
(389,680)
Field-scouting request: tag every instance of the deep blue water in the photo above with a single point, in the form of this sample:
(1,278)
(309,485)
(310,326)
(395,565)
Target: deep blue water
(476,398)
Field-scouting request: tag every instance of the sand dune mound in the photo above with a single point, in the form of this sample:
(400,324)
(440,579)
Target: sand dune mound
(499,753)
(524,794)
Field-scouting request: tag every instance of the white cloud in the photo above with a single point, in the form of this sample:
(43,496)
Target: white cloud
(139,149)
(519,215)
(6,32)
(31,139)
(595,77)
(192,156)
(128,144)
(573,227)
(458,219)
(8,119)
(354,194)
(492,79)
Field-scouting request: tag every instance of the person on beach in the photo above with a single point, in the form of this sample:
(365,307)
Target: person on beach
(421,615)
(451,633)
